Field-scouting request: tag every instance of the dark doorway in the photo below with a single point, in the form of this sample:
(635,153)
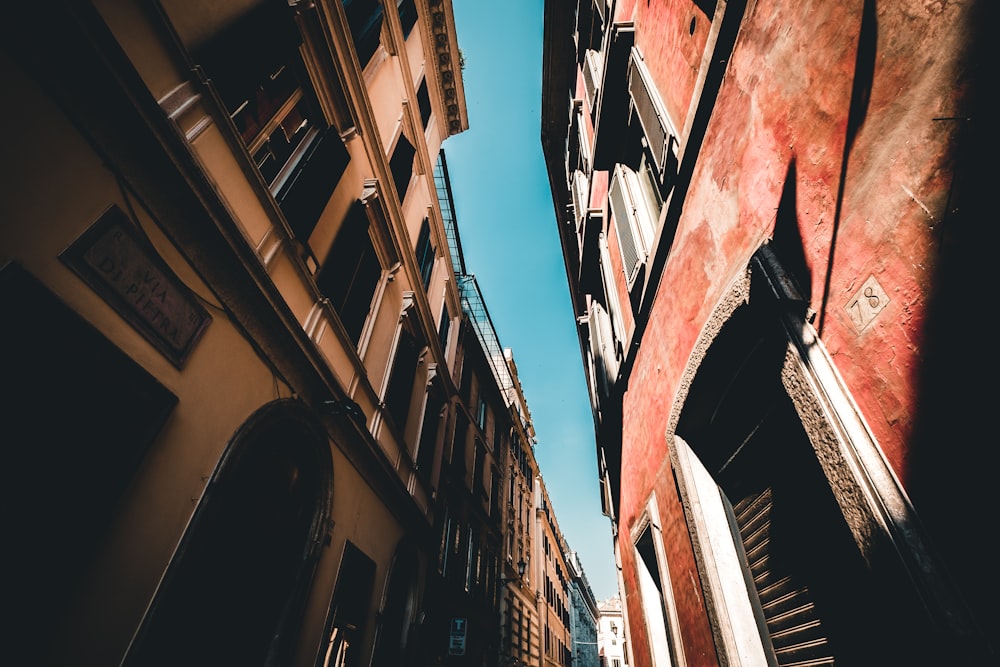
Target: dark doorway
(821,600)
(233,593)
(392,643)
(77,416)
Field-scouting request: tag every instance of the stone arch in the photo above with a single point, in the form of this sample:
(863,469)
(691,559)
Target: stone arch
(765,412)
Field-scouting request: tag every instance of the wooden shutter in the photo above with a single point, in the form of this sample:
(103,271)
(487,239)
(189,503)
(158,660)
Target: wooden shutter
(793,624)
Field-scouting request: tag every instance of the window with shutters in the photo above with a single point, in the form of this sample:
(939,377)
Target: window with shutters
(580,189)
(352,272)
(632,216)
(603,349)
(644,173)
(593,62)
(589,26)
(609,293)
(659,134)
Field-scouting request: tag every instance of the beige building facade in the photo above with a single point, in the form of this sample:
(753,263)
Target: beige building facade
(226,273)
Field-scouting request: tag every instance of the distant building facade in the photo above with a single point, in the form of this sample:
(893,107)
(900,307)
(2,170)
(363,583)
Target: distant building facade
(766,212)
(552,581)
(611,640)
(583,615)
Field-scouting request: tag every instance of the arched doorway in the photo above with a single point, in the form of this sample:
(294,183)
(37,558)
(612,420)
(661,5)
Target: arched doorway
(819,574)
(234,592)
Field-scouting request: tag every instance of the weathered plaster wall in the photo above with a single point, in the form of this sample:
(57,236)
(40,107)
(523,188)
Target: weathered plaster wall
(825,137)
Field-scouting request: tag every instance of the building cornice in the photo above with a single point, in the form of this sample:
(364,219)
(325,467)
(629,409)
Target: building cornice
(442,39)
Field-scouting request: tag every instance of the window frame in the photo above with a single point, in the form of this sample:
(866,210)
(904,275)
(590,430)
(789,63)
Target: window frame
(665,607)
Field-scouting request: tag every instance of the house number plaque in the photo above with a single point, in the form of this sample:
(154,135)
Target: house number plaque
(866,304)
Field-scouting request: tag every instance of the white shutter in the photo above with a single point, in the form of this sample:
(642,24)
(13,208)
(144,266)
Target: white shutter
(580,187)
(631,243)
(602,345)
(593,62)
(648,106)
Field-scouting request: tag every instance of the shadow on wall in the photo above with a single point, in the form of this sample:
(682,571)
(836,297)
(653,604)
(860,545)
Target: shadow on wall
(952,472)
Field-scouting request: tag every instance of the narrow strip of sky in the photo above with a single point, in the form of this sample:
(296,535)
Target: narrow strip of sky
(509,237)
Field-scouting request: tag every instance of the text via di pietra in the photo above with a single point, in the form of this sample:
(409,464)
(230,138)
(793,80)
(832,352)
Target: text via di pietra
(134,280)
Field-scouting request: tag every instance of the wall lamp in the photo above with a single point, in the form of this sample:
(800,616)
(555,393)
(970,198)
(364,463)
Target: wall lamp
(521,565)
(345,406)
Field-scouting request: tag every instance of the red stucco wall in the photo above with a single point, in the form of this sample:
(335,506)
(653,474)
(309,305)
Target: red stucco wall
(867,197)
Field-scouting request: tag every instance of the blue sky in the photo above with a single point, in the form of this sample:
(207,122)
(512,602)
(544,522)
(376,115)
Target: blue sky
(509,236)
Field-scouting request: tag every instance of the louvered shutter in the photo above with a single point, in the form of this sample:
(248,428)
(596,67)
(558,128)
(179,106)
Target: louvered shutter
(793,623)
(581,196)
(592,64)
(649,109)
(623,210)
(602,343)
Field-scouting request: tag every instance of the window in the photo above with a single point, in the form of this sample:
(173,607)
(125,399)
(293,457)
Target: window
(352,272)
(589,26)
(425,253)
(401,165)
(497,434)
(407,15)
(657,127)
(443,328)
(478,472)
(633,220)
(424,103)
(656,594)
(445,545)
(495,493)
(398,609)
(364,18)
(349,611)
(481,413)
(311,182)
(471,552)
(429,431)
(603,349)
(458,444)
(399,393)
(256,67)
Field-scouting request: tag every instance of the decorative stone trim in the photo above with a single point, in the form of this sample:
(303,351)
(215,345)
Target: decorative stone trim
(448,65)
